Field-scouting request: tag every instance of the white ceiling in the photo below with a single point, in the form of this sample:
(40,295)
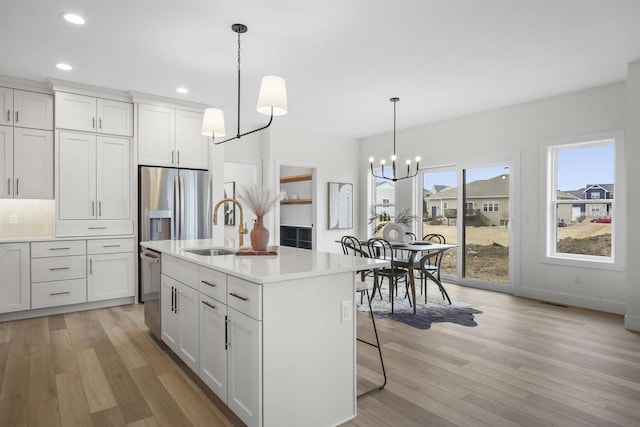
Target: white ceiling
(342,60)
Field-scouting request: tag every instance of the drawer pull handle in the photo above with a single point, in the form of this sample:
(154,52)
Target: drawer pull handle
(213,285)
(59,249)
(111,246)
(96,228)
(60,293)
(209,305)
(233,294)
(60,268)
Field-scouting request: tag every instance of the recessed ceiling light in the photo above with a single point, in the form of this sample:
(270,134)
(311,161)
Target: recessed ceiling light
(182,90)
(73,18)
(65,67)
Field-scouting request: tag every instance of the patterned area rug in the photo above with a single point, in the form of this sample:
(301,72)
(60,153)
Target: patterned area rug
(436,310)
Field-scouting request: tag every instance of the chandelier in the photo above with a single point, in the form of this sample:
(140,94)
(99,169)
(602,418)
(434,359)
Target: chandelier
(394,177)
(272,101)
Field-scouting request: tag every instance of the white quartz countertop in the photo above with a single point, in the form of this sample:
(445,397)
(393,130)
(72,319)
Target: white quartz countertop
(289,264)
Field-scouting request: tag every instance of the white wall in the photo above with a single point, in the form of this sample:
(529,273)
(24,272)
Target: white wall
(521,129)
(632,319)
(336,160)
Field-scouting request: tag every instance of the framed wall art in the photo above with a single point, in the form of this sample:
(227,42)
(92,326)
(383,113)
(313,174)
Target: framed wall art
(340,205)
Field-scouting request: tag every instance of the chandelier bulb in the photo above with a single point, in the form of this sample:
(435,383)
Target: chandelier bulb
(382,162)
(393,158)
(408,162)
(371,159)
(417,158)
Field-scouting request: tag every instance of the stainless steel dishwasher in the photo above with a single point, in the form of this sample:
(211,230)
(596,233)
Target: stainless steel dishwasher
(150,273)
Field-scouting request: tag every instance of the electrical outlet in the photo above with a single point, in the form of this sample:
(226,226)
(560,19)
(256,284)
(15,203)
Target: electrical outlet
(576,279)
(13,218)
(346,312)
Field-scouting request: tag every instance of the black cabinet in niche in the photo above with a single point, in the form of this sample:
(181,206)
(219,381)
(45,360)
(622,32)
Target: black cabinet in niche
(296,237)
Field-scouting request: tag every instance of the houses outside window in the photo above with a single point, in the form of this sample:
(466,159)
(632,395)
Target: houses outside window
(490,206)
(581,219)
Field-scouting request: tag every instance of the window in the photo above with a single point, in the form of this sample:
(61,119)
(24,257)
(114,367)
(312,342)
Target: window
(490,206)
(445,205)
(580,221)
(385,202)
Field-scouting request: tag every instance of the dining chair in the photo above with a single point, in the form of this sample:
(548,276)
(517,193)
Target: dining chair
(382,249)
(434,263)
(351,246)
(427,262)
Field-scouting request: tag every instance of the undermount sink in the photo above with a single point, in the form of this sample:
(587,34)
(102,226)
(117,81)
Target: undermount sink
(210,251)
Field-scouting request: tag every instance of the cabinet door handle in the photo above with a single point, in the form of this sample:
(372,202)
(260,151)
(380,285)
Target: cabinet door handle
(226,332)
(17,188)
(60,293)
(178,156)
(177,294)
(213,285)
(93,122)
(8,116)
(59,268)
(111,246)
(17,116)
(100,123)
(172,156)
(209,305)
(90,265)
(59,249)
(93,208)
(173,298)
(100,208)
(233,294)
(8,185)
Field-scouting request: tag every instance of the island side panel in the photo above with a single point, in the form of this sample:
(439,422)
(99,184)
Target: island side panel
(309,357)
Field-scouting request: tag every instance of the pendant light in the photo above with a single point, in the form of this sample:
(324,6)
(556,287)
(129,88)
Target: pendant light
(272,101)
(394,177)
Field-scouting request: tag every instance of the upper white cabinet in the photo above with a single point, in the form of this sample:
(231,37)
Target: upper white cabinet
(26,163)
(15,292)
(26,109)
(91,114)
(171,137)
(93,177)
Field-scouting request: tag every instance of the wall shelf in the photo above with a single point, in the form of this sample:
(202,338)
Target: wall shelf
(296,202)
(296,178)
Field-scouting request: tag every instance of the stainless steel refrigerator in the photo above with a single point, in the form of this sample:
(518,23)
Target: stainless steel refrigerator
(172,204)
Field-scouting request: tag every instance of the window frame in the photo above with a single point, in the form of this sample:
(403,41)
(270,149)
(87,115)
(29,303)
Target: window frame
(549,203)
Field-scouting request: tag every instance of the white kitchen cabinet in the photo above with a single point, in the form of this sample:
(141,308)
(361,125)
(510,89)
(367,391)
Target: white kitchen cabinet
(93,177)
(213,352)
(15,292)
(110,266)
(26,163)
(180,327)
(91,114)
(244,368)
(26,109)
(171,137)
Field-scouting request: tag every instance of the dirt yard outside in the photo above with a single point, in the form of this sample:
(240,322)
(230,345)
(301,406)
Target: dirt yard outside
(487,249)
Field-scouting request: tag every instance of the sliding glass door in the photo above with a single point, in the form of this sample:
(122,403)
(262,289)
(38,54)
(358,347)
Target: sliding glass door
(471,207)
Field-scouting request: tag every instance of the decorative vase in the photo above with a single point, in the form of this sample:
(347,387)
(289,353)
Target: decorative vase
(259,236)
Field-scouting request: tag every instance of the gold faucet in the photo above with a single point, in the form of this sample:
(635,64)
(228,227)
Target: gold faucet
(241,228)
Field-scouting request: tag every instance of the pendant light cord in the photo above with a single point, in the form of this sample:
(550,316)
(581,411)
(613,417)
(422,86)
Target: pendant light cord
(238,133)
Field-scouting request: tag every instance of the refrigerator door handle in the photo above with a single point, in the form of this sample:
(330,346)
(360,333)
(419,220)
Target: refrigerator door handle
(181,188)
(176,210)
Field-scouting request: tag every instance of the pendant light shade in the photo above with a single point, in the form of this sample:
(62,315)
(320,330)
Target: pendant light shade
(213,122)
(272,101)
(273,95)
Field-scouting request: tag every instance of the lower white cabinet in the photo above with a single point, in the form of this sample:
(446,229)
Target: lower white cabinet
(110,268)
(213,353)
(244,367)
(180,320)
(14,277)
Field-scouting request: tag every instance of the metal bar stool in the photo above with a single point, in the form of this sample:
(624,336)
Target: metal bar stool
(364,289)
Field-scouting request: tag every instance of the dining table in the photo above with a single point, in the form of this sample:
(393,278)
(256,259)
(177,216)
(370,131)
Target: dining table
(411,263)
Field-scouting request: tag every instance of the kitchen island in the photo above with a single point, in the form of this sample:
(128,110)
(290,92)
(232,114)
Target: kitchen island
(272,336)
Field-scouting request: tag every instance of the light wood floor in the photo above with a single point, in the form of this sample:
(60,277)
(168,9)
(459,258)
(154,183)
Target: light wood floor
(526,363)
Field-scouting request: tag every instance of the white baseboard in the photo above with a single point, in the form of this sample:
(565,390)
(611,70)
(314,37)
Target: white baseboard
(632,322)
(608,306)
(48,311)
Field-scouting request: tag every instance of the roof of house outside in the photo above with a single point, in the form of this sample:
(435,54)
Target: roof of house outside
(494,187)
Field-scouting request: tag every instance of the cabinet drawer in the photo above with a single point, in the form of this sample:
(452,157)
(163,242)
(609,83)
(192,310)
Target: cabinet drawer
(62,292)
(246,297)
(54,249)
(109,246)
(58,268)
(212,283)
(182,271)
(71,228)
